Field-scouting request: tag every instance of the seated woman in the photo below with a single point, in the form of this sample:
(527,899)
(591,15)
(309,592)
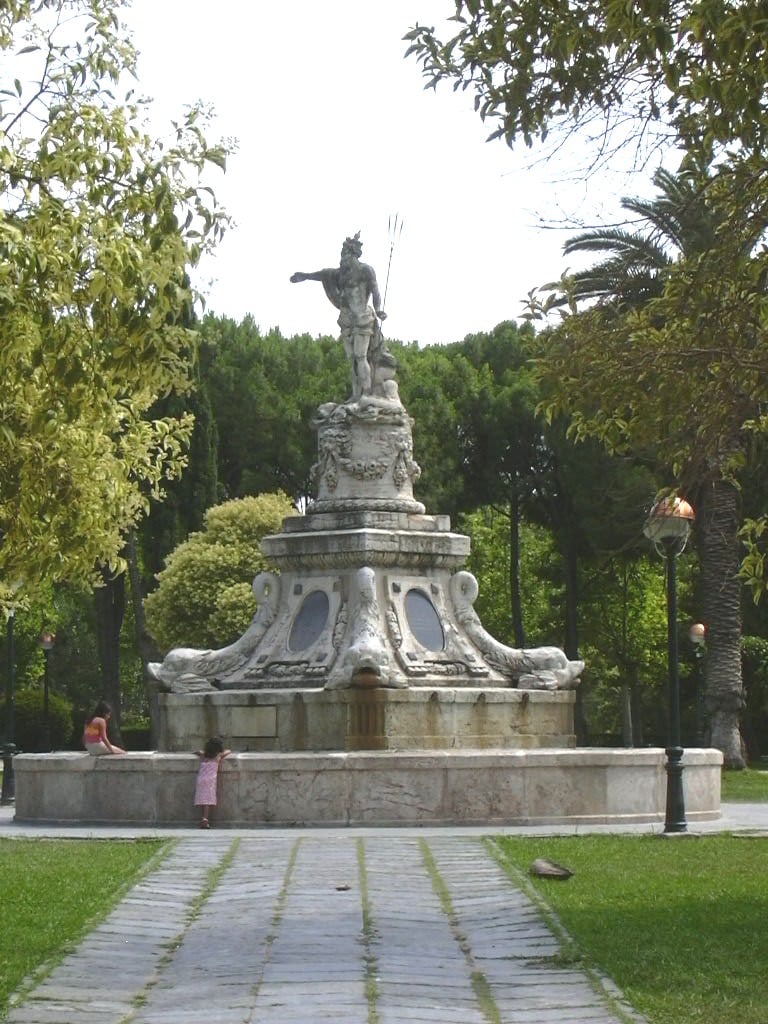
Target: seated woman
(95,739)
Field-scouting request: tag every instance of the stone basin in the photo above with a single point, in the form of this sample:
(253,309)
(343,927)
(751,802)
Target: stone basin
(372,787)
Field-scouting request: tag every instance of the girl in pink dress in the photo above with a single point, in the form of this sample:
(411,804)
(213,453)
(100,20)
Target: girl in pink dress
(207,776)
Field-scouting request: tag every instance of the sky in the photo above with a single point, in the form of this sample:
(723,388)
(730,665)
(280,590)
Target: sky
(336,134)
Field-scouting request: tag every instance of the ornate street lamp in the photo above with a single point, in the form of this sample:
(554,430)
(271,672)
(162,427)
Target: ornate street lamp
(667,527)
(46,640)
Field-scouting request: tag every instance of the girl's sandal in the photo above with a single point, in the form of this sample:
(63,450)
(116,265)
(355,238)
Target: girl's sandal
(204,823)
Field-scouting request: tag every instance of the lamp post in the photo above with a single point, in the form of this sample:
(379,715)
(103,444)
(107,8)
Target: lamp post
(667,527)
(8,794)
(46,640)
(697,634)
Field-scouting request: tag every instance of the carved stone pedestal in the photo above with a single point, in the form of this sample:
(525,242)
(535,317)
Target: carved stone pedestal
(365,599)
(368,595)
(370,718)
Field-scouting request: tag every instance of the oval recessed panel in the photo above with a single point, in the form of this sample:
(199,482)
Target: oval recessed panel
(309,622)
(424,621)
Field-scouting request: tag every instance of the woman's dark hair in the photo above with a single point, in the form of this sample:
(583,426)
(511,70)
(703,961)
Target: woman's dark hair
(101,710)
(213,747)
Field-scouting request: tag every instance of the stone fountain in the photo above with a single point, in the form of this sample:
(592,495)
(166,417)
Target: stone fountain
(366,636)
(365,689)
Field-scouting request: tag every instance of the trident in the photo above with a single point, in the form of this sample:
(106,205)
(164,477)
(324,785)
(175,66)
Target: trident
(394,229)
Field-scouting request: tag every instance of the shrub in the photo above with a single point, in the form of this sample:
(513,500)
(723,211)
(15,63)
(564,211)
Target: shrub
(29,732)
(204,597)
(754,724)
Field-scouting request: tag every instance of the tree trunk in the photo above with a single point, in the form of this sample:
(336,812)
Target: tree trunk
(637,709)
(571,561)
(717,524)
(515,598)
(110,608)
(144,643)
(627,732)
(571,597)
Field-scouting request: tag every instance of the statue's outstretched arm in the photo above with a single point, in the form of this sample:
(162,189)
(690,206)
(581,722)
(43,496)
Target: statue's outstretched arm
(316,275)
(329,278)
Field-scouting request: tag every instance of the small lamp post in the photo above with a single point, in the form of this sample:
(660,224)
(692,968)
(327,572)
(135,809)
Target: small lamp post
(46,640)
(8,794)
(697,634)
(667,527)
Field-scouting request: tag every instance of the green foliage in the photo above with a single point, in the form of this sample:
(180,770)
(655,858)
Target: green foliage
(182,507)
(203,597)
(75,660)
(100,225)
(489,530)
(53,892)
(67,609)
(29,720)
(678,219)
(754,653)
(232,612)
(676,371)
(664,919)
(630,371)
(504,446)
(533,65)
(623,621)
(28,620)
(264,391)
(658,374)
(438,387)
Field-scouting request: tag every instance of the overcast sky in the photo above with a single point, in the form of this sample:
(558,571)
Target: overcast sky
(336,134)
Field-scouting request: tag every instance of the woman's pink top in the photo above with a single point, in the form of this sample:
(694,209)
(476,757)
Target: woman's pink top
(95,731)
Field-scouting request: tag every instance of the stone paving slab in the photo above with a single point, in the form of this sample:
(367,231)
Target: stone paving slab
(305,928)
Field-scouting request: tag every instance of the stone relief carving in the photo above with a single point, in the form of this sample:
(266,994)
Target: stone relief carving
(186,669)
(405,468)
(393,453)
(365,655)
(362,469)
(450,668)
(393,625)
(340,627)
(283,669)
(536,668)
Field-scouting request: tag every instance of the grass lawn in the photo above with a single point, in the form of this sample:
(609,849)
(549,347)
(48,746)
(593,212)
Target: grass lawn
(53,891)
(678,923)
(751,784)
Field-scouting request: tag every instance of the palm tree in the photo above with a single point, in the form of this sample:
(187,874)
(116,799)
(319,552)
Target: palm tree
(680,223)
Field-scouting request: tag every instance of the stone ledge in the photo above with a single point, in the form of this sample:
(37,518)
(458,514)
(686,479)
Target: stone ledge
(493,787)
(376,547)
(363,519)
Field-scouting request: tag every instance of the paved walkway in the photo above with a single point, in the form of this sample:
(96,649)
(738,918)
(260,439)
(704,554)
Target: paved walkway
(395,926)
